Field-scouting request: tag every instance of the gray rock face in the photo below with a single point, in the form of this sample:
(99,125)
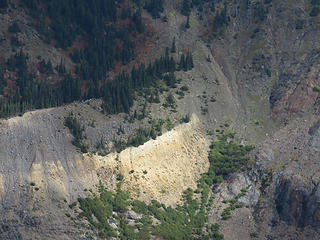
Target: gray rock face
(253,65)
(113,225)
(315,133)
(131,215)
(313,208)
(298,203)
(251,198)
(268,155)
(238,182)
(41,172)
(112,222)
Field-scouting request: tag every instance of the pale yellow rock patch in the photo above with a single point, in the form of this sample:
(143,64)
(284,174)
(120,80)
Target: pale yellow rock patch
(36,174)
(1,187)
(162,169)
(56,177)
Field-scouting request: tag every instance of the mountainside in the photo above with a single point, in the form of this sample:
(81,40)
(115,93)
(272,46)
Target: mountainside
(161,100)
(149,169)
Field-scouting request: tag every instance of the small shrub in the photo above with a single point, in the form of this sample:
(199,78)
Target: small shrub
(314,12)
(185,119)
(14,41)
(14,28)
(170,101)
(140,207)
(72,205)
(299,24)
(119,177)
(253,235)
(316,89)
(184,88)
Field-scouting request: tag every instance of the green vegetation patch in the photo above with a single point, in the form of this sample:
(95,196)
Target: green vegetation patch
(226,156)
(226,214)
(187,221)
(77,131)
(141,135)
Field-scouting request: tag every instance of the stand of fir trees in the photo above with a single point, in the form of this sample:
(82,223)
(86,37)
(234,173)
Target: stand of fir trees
(154,7)
(187,5)
(26,92)
(101,24)
(3,4)
(118,95)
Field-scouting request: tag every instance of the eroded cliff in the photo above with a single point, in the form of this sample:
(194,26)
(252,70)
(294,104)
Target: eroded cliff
(161,169)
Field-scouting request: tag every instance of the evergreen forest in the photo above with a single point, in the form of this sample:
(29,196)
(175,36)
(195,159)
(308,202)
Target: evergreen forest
(103,24)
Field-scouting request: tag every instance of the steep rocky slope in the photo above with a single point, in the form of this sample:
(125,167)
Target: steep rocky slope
(164,168)
(259,74)
(270,55)
(42,172)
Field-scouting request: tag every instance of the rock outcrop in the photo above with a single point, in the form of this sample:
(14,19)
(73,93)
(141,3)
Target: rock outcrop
(41,172)
(163,168)
(298,203)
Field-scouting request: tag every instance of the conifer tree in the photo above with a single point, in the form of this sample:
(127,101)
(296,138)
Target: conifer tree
(186,7)
(188,22)
(3,3)
(182,62)
(173,46)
